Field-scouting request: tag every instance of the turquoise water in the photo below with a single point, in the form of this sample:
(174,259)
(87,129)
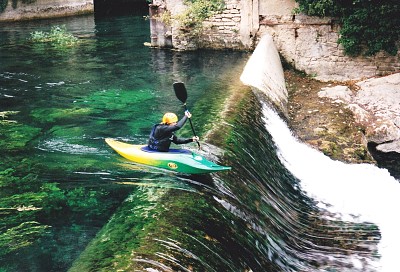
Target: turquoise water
(68,202)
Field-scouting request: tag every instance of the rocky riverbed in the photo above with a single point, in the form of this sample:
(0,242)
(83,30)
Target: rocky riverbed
(328,126)
(342,121)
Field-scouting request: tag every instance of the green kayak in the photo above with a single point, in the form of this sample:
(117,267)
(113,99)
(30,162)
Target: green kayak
(178,160)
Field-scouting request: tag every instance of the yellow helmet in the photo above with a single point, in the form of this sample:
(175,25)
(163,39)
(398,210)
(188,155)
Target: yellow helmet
(169,118)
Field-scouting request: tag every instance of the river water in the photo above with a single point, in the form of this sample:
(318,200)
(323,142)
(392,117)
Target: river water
(69,203)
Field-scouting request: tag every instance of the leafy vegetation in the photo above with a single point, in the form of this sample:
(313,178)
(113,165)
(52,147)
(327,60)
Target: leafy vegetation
(28,206)
(368,26)
(197,11)
(57,36)
(15,136)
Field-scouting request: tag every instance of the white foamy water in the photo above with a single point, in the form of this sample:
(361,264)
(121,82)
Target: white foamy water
(361,190)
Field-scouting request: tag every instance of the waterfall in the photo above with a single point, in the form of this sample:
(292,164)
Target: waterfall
(352,192)
(355,192)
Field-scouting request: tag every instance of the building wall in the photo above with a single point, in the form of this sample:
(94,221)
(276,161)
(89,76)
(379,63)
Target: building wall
(308,43)
(223,30)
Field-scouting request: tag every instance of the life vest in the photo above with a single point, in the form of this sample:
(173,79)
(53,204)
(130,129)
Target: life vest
(159,144)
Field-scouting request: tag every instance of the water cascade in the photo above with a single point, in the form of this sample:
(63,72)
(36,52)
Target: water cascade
(356,193)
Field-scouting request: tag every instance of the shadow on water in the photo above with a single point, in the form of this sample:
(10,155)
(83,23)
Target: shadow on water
(388,160)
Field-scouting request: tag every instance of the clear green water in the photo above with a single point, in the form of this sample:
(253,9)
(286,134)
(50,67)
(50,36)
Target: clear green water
(61,102)
(68,202)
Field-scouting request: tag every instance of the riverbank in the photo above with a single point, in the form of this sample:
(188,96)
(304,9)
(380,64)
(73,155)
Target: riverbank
(327,126)
(346,132)
(45,9)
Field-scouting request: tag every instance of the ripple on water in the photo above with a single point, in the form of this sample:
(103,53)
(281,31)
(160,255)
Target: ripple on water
(63,145)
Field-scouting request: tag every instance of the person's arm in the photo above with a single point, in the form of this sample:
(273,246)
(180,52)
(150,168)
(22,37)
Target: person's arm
(177,140)
(181,122)
(179,125)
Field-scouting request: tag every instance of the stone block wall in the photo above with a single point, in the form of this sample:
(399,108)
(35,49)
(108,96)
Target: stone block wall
(310,45)
(222,30)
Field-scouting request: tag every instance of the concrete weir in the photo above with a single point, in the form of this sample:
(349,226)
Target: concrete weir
(264,73)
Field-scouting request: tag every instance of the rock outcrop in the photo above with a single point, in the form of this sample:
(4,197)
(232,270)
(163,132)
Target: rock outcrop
(376,107)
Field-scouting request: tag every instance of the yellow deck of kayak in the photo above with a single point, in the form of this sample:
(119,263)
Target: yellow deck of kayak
(179,160)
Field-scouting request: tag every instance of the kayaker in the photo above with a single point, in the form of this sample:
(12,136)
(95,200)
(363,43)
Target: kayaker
(162,135)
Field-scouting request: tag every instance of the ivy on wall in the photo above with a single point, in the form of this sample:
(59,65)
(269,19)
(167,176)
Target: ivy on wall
(368,26)
(197,11)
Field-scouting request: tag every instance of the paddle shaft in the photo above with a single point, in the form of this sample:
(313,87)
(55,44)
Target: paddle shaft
(191,125)
(181,94)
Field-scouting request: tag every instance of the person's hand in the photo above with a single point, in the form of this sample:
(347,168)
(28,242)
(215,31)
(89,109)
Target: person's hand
(188,114)
(196,138)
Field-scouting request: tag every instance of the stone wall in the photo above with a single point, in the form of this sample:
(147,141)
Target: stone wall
(222,30)
(161,33)
(307,43)
(39,9)
(310,45)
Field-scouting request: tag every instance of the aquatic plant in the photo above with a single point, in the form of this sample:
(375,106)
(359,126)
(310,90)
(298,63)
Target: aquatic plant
(15,136)
(23,235)
(50,115)
(30,207)
(19,202)
(57,36)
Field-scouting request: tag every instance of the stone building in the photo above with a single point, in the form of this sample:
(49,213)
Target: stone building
(307,43)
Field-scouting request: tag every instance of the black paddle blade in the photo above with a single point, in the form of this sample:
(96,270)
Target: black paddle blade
(180,91)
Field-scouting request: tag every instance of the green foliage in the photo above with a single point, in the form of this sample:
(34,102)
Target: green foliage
(57,36)
(23,235)
(368,26)
(50,115)
(198,11)
(15,136)
(29,205)
(318,8)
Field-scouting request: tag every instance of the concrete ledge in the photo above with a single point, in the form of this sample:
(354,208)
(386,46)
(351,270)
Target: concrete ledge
(43,9)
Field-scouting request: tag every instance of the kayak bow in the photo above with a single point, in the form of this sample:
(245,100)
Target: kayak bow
(178,160)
